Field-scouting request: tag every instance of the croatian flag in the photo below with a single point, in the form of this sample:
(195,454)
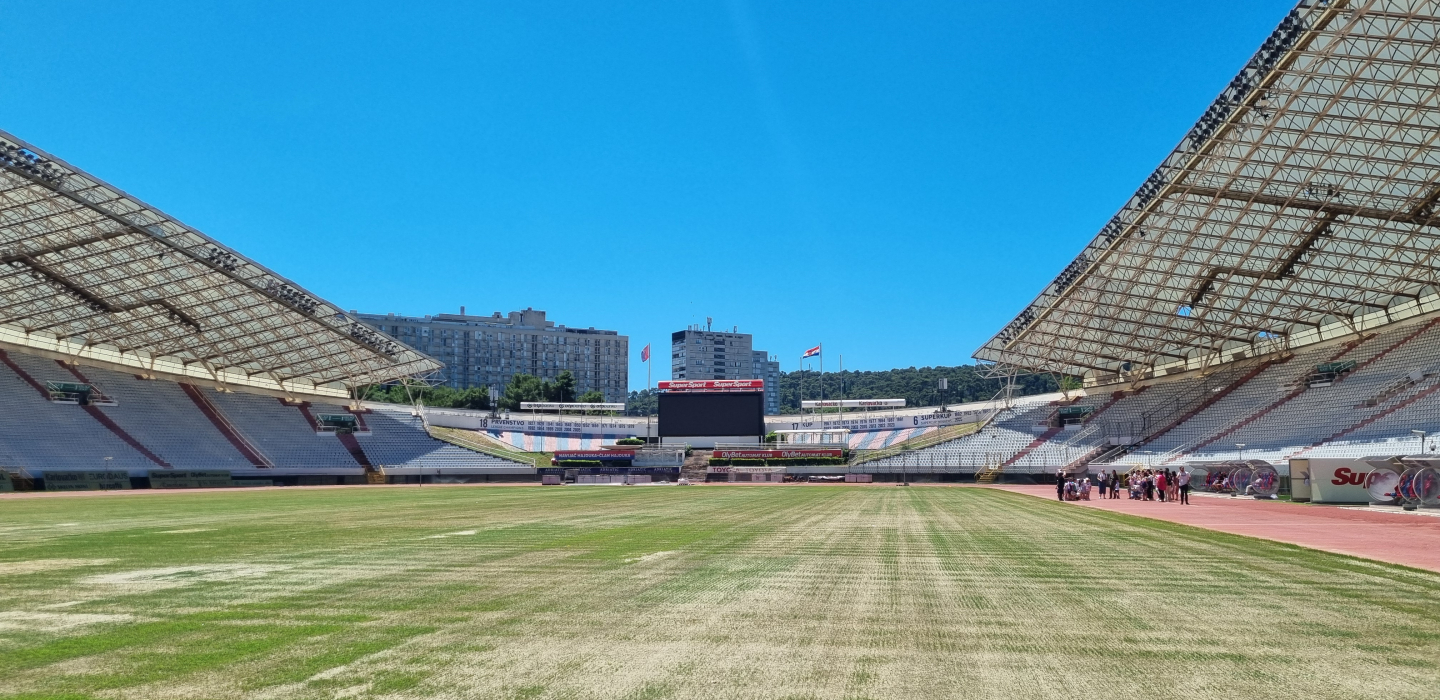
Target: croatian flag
(811,352)
(645,354)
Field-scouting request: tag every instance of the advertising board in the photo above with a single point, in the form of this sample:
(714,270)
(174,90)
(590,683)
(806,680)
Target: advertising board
(564,427)
(711,385)
(1338,480)
(559,406)
(87,481)
(595,455)
(855,403)
(863,423)
(775,454)
(184,479)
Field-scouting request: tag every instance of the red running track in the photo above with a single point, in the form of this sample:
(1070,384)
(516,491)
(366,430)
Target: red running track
(1398,538)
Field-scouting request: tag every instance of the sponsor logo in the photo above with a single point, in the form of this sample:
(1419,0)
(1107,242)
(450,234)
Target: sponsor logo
(1344,476)
(712,384)
(775,454)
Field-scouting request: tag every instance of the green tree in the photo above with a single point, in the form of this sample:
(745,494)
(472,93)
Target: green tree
(475,398)
(591,396)
(563,388)
(918,386)
(523,387)
(642,403)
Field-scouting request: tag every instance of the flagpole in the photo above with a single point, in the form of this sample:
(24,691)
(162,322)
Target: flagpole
(647,388)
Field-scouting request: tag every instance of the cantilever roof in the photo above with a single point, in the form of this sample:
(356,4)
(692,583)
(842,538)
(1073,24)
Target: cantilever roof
(1305,196)
(86,268)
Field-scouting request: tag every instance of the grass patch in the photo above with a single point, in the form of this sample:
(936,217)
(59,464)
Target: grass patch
(806,592)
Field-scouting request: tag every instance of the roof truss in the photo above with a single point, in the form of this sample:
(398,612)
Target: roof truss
(1306,193)
(84,263)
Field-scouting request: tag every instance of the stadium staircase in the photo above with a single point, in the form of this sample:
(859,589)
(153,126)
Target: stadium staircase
(990,474)
(695,465)
(359,414)
(1201,399)
(1040,440)
(111,425)
(23,375)
(347,441)
(92,411)
(222,424)
(1081,440)
(1301,384)
(1397,386)
(1370,419)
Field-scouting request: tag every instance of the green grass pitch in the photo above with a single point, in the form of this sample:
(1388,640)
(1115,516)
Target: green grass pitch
(702,592)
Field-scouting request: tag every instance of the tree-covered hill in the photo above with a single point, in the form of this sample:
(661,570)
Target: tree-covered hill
(916,385)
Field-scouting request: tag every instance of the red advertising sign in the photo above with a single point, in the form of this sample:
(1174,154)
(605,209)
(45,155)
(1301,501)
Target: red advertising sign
(775,454)
(712,385)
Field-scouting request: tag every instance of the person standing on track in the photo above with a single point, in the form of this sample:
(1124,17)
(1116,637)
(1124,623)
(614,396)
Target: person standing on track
(1183,478)
(1059,487)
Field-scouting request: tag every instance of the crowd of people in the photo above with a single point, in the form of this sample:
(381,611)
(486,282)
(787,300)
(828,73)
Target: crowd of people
(1163,485)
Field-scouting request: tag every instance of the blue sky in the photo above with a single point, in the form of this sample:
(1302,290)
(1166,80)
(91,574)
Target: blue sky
(893,179)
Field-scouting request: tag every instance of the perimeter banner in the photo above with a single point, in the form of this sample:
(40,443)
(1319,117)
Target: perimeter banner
(712,385)
(561,427)
(862,422)
(570,406)
(855,403)
(86,481)
(775,454)
(596,455)
(184,479)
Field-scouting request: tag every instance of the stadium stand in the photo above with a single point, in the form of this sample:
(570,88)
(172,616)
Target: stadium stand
(1274,406)
(400,439)
(280,432)
(117,290)
(162,420)
(1268,285)
(38,434)
(167,422)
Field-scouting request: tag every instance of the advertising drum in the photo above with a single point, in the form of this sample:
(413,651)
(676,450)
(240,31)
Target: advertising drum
(1426,487)
(1403,491)
(1214,480)
(1240,479)
(1198,478)
(1381,485)
(1265,482)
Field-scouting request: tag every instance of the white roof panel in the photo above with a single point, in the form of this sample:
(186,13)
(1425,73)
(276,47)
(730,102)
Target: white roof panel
(84,265)
(1305,196)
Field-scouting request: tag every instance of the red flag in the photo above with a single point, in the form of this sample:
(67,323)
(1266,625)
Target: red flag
(645,354)
(811,352)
